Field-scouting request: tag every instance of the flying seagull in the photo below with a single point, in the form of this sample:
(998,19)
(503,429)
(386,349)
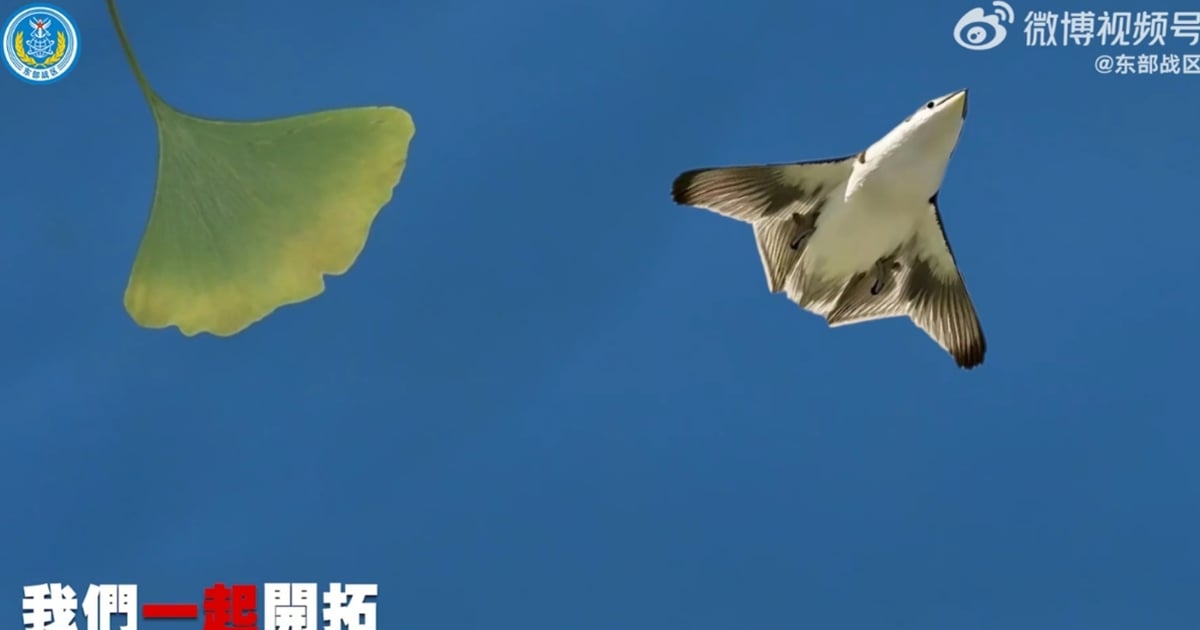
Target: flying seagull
(858,238)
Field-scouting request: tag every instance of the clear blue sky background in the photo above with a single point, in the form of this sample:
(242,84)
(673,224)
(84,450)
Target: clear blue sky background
(546,397)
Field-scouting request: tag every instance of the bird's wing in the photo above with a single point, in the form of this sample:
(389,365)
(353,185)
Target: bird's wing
(779,200)
(815,293)
(937,296)
(779,247)
(857,304)
(752,193)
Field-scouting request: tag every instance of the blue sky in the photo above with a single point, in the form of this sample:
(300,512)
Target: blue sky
(547,397)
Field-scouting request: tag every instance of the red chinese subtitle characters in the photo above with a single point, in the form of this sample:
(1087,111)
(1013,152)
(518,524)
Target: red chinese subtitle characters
(170,611)
(234,607)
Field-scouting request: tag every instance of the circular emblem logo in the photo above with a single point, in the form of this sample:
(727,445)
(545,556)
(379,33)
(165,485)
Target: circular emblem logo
(40,43)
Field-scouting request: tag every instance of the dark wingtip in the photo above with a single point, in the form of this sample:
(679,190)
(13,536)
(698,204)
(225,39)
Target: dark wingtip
(681,189)
(971,357)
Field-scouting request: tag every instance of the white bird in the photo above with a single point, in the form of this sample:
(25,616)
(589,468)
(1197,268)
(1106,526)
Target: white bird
(858,238)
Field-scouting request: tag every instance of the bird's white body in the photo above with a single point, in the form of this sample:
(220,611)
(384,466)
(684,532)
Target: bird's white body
(886,197)
(860,237)
(855,231)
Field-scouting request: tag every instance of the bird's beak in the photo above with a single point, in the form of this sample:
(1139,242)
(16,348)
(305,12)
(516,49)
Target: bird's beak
(957,99)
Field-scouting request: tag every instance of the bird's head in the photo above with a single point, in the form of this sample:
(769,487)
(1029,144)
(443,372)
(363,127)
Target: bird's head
(914,154)
(935,126)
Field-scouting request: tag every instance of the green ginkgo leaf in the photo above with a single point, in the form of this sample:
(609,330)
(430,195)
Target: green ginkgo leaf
(250,216)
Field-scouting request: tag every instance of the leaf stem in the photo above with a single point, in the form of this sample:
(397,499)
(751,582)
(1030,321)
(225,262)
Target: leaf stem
(133,64)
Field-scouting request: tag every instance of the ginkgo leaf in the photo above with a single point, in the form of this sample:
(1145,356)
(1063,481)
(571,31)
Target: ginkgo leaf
(250,216)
